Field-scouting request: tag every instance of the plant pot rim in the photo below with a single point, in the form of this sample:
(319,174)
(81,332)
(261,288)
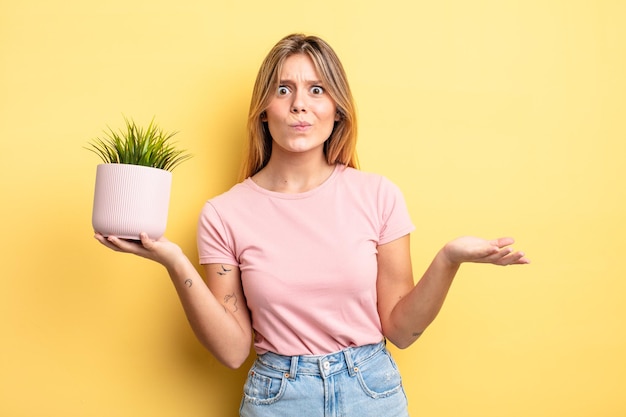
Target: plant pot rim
(132,165)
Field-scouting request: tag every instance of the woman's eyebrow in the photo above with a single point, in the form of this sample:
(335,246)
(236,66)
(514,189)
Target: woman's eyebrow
(290,81)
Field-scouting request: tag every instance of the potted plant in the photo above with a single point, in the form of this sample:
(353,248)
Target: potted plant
(132,189)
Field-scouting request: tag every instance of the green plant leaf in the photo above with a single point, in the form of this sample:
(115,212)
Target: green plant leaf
(138,146)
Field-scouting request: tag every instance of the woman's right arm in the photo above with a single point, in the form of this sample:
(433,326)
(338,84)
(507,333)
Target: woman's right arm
(216,310)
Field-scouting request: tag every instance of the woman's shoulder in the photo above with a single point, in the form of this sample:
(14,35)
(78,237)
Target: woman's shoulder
(365,178)
(233,196)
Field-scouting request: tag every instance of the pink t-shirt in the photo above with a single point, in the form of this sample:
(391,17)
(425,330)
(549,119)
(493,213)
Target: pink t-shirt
(308,261)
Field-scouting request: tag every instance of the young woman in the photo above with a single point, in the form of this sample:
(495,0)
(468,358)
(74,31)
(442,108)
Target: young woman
(309,257)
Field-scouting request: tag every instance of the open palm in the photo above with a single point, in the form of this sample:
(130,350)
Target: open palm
(478,250)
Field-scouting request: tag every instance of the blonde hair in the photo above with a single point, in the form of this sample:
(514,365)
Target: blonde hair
(340,147)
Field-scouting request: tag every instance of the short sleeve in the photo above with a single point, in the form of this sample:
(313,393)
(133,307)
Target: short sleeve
(394,215)
(215,243)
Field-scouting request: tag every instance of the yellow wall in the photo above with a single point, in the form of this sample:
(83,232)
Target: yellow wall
(495,117)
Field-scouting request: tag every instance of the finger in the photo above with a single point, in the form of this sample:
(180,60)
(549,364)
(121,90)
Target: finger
(485,250)
(503,241)
(149,244)
(514,258)
(146,241)
(125,245)
(103,240)
(498,257)
(521,259)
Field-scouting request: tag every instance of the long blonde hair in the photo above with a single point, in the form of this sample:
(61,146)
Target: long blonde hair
(340,147)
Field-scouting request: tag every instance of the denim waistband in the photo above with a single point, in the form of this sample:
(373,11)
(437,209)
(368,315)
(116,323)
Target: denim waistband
(347,359)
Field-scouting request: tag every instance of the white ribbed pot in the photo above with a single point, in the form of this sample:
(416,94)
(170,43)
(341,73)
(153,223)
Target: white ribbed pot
(130,199)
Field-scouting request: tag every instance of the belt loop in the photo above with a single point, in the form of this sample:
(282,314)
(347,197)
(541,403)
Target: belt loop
(352,369)
(293,368)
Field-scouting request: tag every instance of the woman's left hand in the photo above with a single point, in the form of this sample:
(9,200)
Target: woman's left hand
(474,249)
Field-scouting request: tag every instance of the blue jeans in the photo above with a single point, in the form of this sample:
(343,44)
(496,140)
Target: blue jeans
(355,382)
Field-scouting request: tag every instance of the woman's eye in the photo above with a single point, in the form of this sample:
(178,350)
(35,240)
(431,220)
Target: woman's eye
(317,90)
(282,90)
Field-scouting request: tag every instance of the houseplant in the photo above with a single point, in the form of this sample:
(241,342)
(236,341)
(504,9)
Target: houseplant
(133,183)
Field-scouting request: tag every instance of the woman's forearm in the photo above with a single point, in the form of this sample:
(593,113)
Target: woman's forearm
(227,337)
(417,310)
(214,326)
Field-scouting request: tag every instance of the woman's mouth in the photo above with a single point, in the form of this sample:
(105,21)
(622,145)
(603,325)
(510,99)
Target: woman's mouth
(300,126)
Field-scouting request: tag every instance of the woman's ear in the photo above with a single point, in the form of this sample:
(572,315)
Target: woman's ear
(263,117)
(337,116)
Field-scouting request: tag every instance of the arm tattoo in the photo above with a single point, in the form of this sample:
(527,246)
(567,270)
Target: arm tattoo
(188,282)
(224,271)
(231,298)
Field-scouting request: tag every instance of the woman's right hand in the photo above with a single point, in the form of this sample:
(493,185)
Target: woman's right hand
(162,250)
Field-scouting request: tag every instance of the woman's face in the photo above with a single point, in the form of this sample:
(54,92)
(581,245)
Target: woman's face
(301,115)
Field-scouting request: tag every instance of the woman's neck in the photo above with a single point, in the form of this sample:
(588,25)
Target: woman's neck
(293,175)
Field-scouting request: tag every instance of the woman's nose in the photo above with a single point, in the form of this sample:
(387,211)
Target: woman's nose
(299,103)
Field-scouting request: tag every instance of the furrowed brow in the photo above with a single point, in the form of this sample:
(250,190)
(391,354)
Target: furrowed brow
(308,82)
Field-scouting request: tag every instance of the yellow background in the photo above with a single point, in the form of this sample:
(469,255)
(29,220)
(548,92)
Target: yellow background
(495,118)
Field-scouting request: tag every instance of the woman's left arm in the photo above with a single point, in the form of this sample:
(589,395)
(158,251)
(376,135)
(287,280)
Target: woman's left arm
(406,309)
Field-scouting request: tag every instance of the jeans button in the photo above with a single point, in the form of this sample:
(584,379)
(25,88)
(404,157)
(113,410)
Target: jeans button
(326,365)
